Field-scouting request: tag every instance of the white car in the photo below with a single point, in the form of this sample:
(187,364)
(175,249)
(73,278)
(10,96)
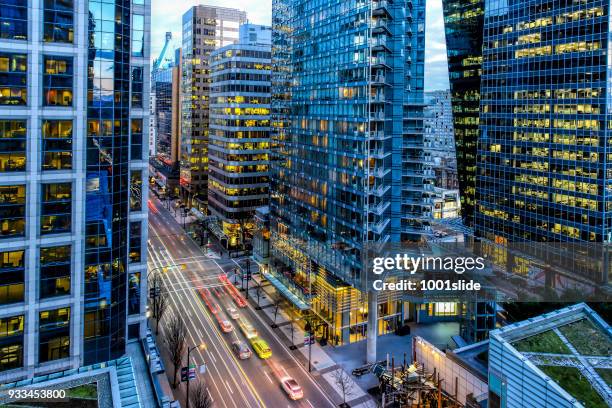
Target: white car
(292,388)
(226,326)
(233,313)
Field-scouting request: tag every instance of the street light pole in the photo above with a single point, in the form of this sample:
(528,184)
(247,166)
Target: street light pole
(189,350)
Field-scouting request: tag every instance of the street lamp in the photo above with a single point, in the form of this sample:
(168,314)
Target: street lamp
(189,350)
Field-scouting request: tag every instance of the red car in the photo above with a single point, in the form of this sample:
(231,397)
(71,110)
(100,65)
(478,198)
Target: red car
(226,326)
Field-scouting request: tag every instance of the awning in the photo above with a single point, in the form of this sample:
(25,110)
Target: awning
(197,213)
(284,290)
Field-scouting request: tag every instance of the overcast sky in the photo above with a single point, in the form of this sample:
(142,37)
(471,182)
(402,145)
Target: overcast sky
(167,16)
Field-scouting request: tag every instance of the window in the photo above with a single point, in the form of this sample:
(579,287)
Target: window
(57,81)
(12,278)
(136,191)
(58,21)
(12,145)
(13,79)
(137,35)
(11,342)
(14,19)
(136,140)
(135,229)
(137,84)
(56,214)
(12,211)
(54,271)
(54,334)
(56,144)
(134,293)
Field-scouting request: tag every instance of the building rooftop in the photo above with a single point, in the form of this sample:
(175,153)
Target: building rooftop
(103,385)
(572,346)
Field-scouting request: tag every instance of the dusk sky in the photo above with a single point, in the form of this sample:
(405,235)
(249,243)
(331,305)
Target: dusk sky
(167,14)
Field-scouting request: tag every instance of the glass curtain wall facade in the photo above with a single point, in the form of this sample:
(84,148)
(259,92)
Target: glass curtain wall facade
(543,153)
(238,152)
(348,161)
(463,26)
(65,113)
(205,28)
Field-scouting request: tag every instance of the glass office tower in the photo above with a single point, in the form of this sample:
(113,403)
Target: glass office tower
(205,28)
(72,91)
(239,140)
(463,24)
(543,153)
(349,167)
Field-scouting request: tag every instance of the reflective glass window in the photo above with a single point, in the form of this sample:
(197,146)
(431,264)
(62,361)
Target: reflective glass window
(137,84)
(56,214)
(137,35)
(12,210)
(136,191)
(58,20)
(135,233)
(11,342)
(12,145)
(136,140)
(57,81)
(14,19)
(54,271)
(134,293)
(12,280)
(56,144)
(54,334)
(13,79)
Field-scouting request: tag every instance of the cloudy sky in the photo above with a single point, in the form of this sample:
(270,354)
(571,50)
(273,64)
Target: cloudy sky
(167,15)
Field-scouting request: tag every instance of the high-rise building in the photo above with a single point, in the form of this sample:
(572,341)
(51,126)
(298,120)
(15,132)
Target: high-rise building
(463,25)
(73,112)
(239,139)
(439,138)
(542,156)
(205,28)
(161,96)
(349,169)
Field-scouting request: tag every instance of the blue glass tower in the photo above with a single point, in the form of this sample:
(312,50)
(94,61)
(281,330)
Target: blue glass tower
(348,165)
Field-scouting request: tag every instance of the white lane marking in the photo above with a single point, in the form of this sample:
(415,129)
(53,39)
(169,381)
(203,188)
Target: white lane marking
(268,377)
(212,356)
(228,387)
(309,403)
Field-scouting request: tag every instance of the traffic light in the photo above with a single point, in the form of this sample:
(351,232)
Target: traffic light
(184,374)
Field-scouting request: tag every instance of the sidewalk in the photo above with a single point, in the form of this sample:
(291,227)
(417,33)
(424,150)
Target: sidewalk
(324,367)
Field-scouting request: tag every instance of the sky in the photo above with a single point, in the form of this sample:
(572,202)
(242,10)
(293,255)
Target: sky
(166,15)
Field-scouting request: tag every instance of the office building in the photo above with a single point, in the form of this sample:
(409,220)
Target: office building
(439,138)
(463,26)
(205,28)
(239,138)
(542,158)
(349,169)
(73,112)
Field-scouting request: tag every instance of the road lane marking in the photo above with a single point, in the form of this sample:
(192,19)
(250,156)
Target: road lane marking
(268,377)
(228,387)
(309,403)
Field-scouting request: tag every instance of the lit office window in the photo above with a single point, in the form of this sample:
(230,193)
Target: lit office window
(12,278)
(11,342)
(137,35)
(57,81)
(54,334)
(13,79)
(137,85)
(54,271)
(135,233)
(56,144)
(58,21)
(14,19)
(136,140)
(12,145)
(12,210)
(56,214)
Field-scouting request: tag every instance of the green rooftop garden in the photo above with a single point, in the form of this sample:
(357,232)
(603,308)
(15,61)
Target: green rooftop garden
(85,391)
(572,381)
(545,342)
(588,339)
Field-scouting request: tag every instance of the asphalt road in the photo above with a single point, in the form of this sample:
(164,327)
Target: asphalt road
(232,383)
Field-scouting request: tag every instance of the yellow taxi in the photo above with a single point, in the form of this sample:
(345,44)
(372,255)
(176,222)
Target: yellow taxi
(261,348)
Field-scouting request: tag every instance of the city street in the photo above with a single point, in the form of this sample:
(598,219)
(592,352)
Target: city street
(191,277)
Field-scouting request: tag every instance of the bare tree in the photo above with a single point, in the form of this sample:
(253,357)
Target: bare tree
(277,302)
(161,304)
(200,397)
(292,347)
(174,337)
(258,292)
(344,382)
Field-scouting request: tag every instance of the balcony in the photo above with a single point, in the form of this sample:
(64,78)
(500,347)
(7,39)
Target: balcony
(377,115)
(379,44)
(380,8)
(379,227)
(379,135)
(379,153)
(378,190)
(380,26)
(378,97)
(379,62)
(379,208)
(379,172)
(379,80)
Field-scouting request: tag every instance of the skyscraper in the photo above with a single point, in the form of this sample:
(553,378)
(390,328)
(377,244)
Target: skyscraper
(542,157)
(349,167)
(73,111)
(161,89)
(463,25)
(205,28)
(239,139)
